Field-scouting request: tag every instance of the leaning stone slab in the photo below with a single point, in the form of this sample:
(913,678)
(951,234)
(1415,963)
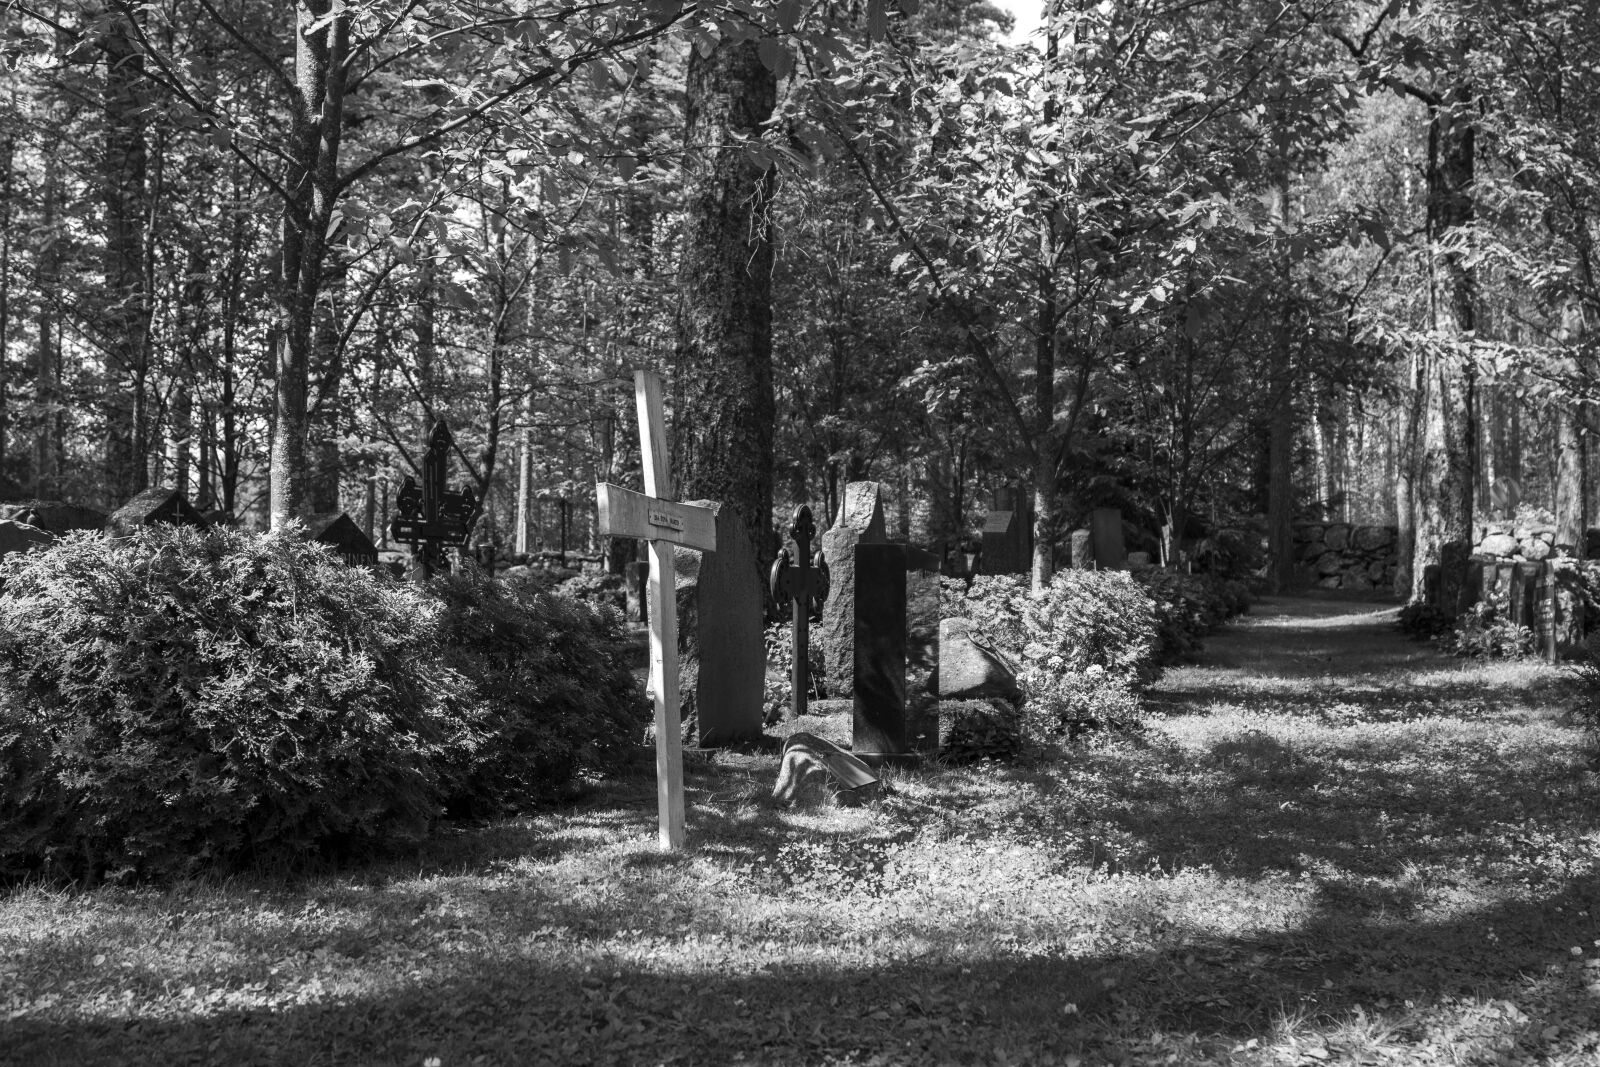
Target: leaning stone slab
(814,768)
(860,522)
(970,669)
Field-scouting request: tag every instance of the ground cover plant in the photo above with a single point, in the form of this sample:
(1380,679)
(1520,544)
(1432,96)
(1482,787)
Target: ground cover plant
(1326,846)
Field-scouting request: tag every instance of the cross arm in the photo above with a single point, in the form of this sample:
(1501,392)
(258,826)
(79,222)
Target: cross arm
(624,513)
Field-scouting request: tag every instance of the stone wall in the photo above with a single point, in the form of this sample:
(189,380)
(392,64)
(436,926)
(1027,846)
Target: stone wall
(1341,556)
(1509,541)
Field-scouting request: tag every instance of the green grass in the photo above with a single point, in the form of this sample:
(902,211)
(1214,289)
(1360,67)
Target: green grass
(1330,845)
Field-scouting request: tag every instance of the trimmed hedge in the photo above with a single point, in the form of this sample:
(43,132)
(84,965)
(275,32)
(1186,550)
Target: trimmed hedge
(1188,607)
(184,698)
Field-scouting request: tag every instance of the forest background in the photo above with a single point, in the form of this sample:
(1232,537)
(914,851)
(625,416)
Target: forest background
(1202,261)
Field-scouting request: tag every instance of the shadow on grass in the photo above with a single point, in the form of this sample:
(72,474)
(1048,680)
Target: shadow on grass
(983,1005)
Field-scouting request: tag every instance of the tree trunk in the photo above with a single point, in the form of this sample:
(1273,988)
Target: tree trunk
(126,318)
(1447,437)
(1572,460)
(317,116)
(724,408)
(47,356)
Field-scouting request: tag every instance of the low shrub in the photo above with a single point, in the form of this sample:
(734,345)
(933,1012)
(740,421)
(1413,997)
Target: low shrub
(976,730)
(544,697)
(182,697)
(1188,607)
(1484,632)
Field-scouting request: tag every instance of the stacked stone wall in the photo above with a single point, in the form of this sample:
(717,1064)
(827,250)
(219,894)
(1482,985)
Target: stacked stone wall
(1340,555)
(1531,543)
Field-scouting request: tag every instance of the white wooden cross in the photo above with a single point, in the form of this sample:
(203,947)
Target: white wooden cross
(664,523)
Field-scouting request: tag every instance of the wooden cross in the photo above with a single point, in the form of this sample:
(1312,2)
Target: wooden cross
(663,523)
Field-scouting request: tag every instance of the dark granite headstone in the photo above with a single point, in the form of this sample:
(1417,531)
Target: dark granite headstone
(636,580)
(1432,583)
(922,651)
(878,666)
(1110,552)
(1000,537)
(895,662)
(722,659)
(1522,592)
(860,522)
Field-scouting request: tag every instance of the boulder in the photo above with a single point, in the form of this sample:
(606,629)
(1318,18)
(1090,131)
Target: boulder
(1356,581)
(1535,549)
(1312,533)
(1375,571)
(970,668)
(1138,560)
(1498,544)
(19,536)
(1370,538)
(1329,583)
(1313,550)
(1330,563)
(1337,538)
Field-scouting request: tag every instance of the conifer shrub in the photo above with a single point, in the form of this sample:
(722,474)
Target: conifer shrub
(1188,607)
(544,696)
(186,697)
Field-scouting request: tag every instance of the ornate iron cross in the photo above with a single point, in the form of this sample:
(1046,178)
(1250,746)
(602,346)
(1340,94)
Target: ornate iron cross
(805,587)
(431,516)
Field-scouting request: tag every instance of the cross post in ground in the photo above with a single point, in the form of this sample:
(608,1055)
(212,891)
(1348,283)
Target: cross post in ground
(651,517)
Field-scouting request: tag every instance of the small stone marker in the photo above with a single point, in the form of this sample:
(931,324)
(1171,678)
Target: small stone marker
(1082,550)
(1110,552)
(663,523)
(432,516)
(805,587)
(157,504)
(339,531)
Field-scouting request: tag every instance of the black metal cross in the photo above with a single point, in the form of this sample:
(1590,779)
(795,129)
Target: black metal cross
(432,516)
(805,587)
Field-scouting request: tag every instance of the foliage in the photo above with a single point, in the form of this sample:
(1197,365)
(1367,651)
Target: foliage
(544,697)
(598,589)
(1188,607)
(1484,631)
(185,697)
(1077,703)
(1422,620)
(976,730)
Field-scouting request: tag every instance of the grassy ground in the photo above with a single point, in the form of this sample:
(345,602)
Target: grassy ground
(1330,846)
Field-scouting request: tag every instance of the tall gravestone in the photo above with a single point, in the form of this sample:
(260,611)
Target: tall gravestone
(722,658)
(860,522)
(636,585)
(1000,540)
(895,657)
(1082,550)
(1105,534)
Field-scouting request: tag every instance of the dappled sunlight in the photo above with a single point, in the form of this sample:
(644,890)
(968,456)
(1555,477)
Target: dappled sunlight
(1399,857)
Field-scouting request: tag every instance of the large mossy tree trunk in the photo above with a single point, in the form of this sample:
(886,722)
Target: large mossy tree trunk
(723,404)
(1447,428)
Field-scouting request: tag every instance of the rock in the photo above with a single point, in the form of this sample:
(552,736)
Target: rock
(1337,538)
(1082,550)
(1498,544)
(1535,550)
(1329,583)
(1313,550)
(1356,581)
(1138,560)
(1330,563)
(1547,535)
(814,769)
(1375,571)
(1522,533)
(1370,538)
(971,669)
(53,516)
(20,536)
(1312,533)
